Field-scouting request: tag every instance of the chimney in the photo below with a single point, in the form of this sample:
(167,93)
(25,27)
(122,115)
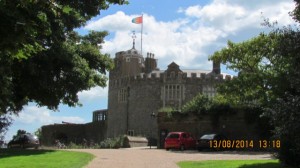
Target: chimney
(216,67)
(150,63)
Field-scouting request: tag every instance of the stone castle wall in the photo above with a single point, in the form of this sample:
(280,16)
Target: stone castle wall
(145,98)
(66,133)
(233,126)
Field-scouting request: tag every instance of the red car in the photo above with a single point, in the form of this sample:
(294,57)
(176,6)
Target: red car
(180,140)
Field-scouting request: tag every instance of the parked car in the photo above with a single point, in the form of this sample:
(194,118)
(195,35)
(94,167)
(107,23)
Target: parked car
(210,141)
(179,140)
(24,141)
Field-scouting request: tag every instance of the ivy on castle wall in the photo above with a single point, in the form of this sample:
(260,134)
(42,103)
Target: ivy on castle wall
(201,106)
(218,108)
(215,107)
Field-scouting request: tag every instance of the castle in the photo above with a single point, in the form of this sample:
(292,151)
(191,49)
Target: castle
(137,91)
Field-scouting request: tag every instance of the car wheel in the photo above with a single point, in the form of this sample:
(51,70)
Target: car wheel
(182,147)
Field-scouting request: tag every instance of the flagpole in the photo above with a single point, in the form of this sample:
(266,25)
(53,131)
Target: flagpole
(142,35)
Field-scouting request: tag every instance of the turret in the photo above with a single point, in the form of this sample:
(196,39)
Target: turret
(128,63)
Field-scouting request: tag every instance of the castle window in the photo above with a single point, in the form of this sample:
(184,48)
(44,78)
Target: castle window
(127,59)
(209,90)
(122,95)
(173,92)
(99,116)
(172,75)
(117,63)
(130,132)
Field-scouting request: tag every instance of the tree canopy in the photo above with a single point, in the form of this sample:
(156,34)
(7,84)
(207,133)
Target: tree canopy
(269,77)
(259,66)
(42,58)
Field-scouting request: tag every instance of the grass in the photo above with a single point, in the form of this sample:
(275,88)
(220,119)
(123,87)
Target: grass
(14,158)
(231,164)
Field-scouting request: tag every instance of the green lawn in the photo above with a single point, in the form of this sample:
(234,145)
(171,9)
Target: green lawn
(231,164)
(13,158)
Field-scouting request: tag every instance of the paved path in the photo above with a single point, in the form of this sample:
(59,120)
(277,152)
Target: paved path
(157,158)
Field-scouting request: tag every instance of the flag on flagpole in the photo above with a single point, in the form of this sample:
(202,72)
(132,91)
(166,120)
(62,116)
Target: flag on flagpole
(137,20)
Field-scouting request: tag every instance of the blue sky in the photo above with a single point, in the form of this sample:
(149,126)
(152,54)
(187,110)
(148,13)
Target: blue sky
(184,31)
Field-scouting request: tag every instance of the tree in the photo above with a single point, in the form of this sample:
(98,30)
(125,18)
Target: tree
(258,66)
(38,133)
(5,121)
(285,112)
(19,132)
(200,104)
(42,59)
(269,78)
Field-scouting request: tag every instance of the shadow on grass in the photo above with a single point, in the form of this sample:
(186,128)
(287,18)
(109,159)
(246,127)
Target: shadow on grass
(21,152)
(262,165)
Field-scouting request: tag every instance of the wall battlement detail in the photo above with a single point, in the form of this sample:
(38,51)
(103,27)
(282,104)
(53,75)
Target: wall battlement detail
(162,76)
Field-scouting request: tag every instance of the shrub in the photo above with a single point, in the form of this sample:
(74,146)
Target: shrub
(72,145)
(114,143)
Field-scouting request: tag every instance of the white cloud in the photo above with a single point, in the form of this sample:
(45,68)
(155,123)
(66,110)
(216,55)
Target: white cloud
(93,94)
(201,30)
(231,16)
(117,22)
(170,41)
(41,115)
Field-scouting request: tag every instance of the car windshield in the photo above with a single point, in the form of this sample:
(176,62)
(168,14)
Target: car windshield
(31,137)
(209,136)
(173,136)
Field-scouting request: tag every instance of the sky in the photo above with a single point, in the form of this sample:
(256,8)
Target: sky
(184,31)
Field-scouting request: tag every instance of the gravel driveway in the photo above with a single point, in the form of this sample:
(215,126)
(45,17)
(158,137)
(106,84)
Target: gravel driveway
(158,158)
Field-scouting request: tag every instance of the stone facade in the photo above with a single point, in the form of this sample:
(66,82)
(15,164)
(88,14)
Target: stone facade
(137,89)
(71,132)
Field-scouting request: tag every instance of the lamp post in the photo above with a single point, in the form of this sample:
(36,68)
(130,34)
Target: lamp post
(153,116)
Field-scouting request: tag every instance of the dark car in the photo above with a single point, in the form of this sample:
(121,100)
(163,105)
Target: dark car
(179,140)
(24,141)
(211,141)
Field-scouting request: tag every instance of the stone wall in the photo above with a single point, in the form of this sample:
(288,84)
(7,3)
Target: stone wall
(145,97)
(66,133)
(135,113)
(233,126)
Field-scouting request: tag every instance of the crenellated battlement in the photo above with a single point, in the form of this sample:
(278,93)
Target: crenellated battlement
(163,76)
(184,75)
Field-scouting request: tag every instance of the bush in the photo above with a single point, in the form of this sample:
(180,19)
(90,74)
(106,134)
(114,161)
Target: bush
(72,145)
(114,143)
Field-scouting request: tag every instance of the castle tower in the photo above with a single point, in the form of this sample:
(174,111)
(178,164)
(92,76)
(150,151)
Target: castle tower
(128,63)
